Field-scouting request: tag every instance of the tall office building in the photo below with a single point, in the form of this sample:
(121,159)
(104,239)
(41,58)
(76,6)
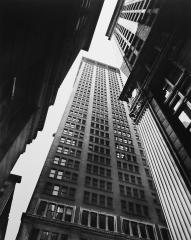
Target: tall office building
(160,77)
(95,183)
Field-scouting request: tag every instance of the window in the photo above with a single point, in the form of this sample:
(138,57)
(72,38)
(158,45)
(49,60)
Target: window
(131,207)
(63,162)
(64,237)
(44,235)
(58,212)
(41,208)
(93,218)
(52,173)
(84,218)
(143,230)
(55,190)
(134,229)
(102,221)
(59,149)
(145,211)
(165,234)
(56,160)
(50,210)
(68,214)
(54,236)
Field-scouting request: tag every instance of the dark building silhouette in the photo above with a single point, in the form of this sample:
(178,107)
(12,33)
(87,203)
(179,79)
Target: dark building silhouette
(95,183)
(6,197)
(39,40)
(158,91)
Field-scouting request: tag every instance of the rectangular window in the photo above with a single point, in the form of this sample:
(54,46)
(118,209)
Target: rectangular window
(125,227)
(55,190)
(50,210)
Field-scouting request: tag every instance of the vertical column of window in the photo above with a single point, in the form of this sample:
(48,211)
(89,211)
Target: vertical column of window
(89,75)
(120,30)
(98,166)
(66,163)
(124,154)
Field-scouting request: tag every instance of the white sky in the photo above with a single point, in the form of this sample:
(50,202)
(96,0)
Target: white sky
(31,162)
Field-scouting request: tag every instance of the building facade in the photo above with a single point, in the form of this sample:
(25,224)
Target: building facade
(6,197)
(158,91)
(95,183)
(130,26)
(37,48)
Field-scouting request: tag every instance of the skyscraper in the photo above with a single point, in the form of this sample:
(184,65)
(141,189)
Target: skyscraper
(95,183)
(158,91)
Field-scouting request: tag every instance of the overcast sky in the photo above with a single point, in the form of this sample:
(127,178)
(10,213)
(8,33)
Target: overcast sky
(31,162)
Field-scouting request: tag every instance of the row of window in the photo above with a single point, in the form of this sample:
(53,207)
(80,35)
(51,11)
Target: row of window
(124,148)
(99,120)
(100,110)
(84,95)
(121,126)
(100,141)
(121,121)
(126,157)
(98,200)
(100,99)
(99,159)
(136,5)
(122,133)
(73,133)
(139,230)
(98,220)
(119,116)
(56,211)
(127,167)
(75,126)
(97,170)
(76,120)
(98,184)
(69,151)
(134,208)
(99,115)
(93,219)
(78,108)
(99,149)
(65,162)
(46,235)
(132,192)
(123,140)
(99,133)
(99,126)
(124,177)
(63,175)
(132,16)
(70,141)
(59,190)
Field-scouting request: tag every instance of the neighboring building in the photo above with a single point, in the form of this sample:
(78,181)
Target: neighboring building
(6,197)
(95,183)
(38,44)
(161,78)
(130,26)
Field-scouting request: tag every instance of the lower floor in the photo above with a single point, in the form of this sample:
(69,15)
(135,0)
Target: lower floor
(38,228)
